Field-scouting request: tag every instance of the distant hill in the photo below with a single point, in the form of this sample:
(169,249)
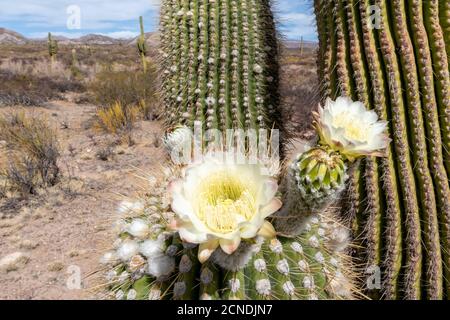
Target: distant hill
(11,37)
(295,44)
(152,38)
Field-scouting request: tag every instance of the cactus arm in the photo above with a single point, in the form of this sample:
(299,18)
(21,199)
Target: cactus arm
(425,185)
(372,224)
(441,70)
(442,85)
(429,103)
(392,258)
(397,113)
(225,69)
(444,17)
(343,65)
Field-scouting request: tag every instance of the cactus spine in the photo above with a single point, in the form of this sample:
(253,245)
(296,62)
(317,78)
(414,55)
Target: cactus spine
(52,48)
(220,64)
(399,205)
(141,45)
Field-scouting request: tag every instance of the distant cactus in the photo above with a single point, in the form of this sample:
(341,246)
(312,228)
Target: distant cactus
(74,64)
(220,64)
(301,47)
(142,45)
(52,48)
(399,205)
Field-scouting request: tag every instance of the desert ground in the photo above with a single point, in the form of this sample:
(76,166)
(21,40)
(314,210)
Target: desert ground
(67,226)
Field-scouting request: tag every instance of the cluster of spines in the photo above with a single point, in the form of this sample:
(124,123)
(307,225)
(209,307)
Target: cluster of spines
(406,225)
(220,64)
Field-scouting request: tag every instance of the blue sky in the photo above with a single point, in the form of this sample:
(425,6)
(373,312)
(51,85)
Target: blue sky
(118,18)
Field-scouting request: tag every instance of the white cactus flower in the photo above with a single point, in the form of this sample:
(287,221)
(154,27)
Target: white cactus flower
(351,129)
(218,203)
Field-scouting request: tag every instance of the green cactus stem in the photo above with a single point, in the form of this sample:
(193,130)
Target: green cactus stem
(220,64)
(395,60)
(307,267)
(52,48)
(142,45)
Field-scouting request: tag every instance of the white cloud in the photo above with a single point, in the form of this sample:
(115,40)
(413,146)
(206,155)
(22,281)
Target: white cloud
(95,14)
(296,25)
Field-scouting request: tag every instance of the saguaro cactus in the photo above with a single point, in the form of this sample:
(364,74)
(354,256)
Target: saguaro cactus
(393,56)
(52,48)
(220,64)
(142,46)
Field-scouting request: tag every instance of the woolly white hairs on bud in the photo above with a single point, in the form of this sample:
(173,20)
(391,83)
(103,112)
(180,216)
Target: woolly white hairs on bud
(125,207)
(236,261)
(161,266)
(109,257)
(127,250)
(152,248)
(138,228)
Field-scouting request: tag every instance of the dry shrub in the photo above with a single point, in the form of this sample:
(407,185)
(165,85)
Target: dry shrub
(33,152)
(29,90)
(129,88)
(117,118)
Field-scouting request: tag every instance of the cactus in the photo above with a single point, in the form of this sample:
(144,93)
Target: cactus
(52,48)
(301,46)
(399,205)
(150,263)
(142,45)
(220,66)
(74,67)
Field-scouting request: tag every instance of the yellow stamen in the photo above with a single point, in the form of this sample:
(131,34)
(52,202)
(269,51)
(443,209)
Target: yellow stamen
(225,200)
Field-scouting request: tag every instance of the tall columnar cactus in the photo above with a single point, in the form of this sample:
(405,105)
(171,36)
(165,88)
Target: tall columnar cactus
(220,64)
(52,48)
(301,46)
(142,45)
(393,57)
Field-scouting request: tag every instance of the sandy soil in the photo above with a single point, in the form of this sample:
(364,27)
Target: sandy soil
(69,226)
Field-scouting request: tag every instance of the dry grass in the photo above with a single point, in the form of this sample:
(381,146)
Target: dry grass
(128,87)
(32,152)
(117,118)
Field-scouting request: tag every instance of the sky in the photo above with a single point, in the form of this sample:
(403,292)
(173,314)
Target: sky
(118,18)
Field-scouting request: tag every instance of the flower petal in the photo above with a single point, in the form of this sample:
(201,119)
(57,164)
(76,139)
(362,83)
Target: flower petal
(267,231)
(230,246)
(189,234)
(206,249)
(273,206)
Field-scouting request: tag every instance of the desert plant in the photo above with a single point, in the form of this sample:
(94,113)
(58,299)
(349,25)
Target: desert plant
(395,60)
(117,118)
(74,66)
(142,45)
(33,161)
(129,88)
(220,65)
(52,49)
